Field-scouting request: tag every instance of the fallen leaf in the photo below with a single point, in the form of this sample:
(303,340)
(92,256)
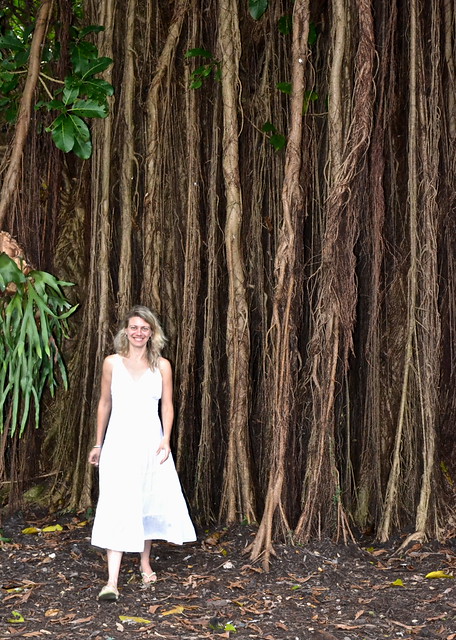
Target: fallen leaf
(17,618)
(359,614)
(29,530)
(51,528)
(51,613)
(178,609)
(135,619)
(439,574)
(153,608)
(397,583)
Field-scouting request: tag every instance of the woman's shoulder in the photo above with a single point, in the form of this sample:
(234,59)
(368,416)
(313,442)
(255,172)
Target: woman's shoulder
(109,361)
(164,365)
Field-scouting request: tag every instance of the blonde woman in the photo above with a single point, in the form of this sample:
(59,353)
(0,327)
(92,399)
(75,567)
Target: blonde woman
(140,495)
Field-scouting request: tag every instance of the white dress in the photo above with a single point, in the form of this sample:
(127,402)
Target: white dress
(140,499)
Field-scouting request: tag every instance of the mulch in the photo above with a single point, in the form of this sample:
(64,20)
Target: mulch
(211,589)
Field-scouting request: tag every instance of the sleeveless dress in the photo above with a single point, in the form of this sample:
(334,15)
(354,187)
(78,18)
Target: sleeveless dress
(140,499)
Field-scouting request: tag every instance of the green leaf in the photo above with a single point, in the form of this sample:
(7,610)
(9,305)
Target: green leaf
(56,105)
(88,68)
(81,52)
(9,272)
(83,149)
(11,41)
(278,141)
(96,88)
(81,130)
(268,127)
(11,113)
(195,53)
(89,109)
(284,87)
(9,82)
(312,34)
(92,28)
(257,8)
(21,57)
(17,617)
(285,24)
(70,95)
(63,133)
(196,84)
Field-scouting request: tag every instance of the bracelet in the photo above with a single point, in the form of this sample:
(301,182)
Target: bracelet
(96,446)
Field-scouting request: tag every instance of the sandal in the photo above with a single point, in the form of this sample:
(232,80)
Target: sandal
(108,593)
(148,578)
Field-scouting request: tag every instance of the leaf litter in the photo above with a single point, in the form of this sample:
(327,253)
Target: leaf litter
(49,581)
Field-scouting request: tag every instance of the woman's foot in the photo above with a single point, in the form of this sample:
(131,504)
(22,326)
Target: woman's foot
(148,578)
(109,592)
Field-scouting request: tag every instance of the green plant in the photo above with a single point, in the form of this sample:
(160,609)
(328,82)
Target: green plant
(212,66)
(79,96)
(257,8)
(33,323)
(277,140)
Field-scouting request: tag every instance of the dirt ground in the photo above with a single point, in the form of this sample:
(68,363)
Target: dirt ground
(210,589)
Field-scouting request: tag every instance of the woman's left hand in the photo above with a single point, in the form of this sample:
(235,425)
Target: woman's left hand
(164,446)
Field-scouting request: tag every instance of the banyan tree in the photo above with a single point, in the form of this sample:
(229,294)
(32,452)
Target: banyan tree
(277,181)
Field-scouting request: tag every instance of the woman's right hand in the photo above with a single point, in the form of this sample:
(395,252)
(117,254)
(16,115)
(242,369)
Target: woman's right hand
(94,456)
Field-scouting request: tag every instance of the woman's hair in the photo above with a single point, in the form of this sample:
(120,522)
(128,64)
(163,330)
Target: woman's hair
(157,338)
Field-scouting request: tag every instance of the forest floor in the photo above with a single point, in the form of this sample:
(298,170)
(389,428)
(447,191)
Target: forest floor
(210,589)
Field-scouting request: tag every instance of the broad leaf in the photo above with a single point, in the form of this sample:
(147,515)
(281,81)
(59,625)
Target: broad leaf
(285,24)
(92,67)
(63,132)
(81,130)
(83,149)
(96,88)
(312,34)
(89,109)
(70,95)
(9,272)
(268,127)
(81,53)
(278,141)
(92,28)
(284,87)
(11,41)
(257,8)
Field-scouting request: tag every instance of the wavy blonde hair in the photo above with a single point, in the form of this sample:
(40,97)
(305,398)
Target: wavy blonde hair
(157,338)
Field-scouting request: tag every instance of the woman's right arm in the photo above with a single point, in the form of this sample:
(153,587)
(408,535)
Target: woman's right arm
(103,411)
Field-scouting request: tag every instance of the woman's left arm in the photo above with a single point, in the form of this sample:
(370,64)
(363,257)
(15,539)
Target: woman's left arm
(167,408)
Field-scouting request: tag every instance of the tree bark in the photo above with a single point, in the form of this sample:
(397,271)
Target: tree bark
(237,494)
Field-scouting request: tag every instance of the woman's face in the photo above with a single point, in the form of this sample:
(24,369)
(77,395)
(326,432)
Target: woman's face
(138,331)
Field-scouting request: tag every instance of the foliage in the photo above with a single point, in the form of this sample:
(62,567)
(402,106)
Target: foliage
(33,314)
(212,66)
(257,8)
(79,96)
(277,140)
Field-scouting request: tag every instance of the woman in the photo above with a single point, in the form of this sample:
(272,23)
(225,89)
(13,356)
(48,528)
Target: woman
(140,495)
